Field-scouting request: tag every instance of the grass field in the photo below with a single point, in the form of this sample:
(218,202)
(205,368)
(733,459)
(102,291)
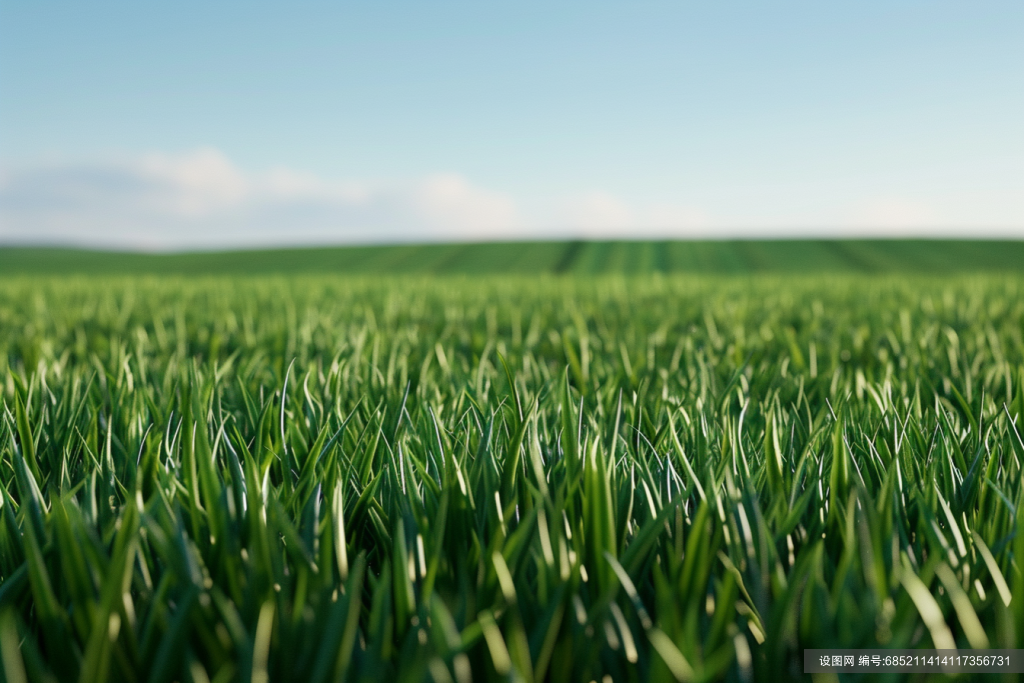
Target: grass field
(799,257)
(517,477)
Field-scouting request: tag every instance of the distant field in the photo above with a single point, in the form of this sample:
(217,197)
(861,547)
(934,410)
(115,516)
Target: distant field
(724,257)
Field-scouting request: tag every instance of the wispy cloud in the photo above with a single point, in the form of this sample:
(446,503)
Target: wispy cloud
(201,199)
(897,213)
(603,214)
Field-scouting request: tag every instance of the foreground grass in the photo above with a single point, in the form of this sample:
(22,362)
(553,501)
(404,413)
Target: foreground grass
(486,479)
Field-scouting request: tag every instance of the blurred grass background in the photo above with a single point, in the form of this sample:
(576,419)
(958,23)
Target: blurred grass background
(565,257)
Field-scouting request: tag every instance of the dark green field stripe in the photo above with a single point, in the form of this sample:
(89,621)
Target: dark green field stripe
(938,257)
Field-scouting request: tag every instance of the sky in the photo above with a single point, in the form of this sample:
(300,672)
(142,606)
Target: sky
(187,125)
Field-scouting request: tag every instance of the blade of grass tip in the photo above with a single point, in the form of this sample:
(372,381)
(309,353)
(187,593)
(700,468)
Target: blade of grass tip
(440,522)
(319,449)
(682,456)
(308,465)
(512,387)
(773,454)
(31,496)
(993,569)
(744,658)
(536,458)
(599,514)
(197,672)
(570,433)
(508,588)
(969,621)
(28,444)
(1013,424)
(354,589)
(840,472)
(968,413)
(634,596)
(931,613)
(510,468)
(286,453)
(953,526)
(340,548)
(755,615)
(284,399)
(439,672)
(405,598)
(670,654)
(495,644)
(261,643)
(443,629)
(627,636)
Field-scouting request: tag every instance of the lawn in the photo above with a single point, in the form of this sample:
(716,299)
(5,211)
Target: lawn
(598,462)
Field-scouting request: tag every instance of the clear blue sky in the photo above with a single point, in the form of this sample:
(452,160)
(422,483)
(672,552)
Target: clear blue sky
(403,120)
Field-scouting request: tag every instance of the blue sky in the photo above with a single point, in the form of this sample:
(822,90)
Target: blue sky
(230,123)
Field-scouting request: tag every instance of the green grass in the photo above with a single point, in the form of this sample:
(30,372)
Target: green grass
(325,478)
(584,258)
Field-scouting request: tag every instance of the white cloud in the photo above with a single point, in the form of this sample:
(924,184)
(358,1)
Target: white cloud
(597,212)
(449,199)
(201,199)
(896,214)
(603,215)
(673,219)
(190,185)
